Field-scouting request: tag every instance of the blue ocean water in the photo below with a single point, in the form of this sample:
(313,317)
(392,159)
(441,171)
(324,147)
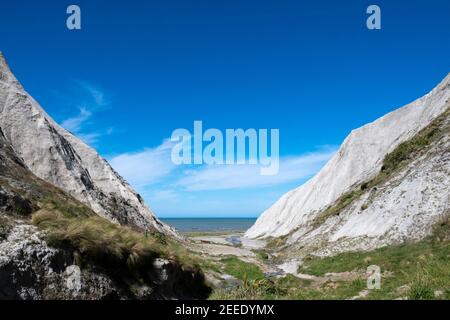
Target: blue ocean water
(209,224)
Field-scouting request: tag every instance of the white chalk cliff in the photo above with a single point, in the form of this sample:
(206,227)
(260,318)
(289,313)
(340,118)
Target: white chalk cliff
(57,156)
(402,209)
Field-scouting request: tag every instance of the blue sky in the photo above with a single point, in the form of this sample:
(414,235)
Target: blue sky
(140,69)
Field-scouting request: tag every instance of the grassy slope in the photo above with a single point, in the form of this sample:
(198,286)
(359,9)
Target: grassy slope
(413,271)
(241,270)
(119,251)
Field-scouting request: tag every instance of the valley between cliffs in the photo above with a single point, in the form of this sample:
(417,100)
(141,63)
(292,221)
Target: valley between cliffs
(72,228)
(395,217)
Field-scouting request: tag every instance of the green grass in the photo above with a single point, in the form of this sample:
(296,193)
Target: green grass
(390,258)
(261,254)
(338,206)
(414,270)
(248,290)
(240,269)
(67,209)
(422,267)
(275,242)
(409,149)
(421,287)
(329,291)
(289,288)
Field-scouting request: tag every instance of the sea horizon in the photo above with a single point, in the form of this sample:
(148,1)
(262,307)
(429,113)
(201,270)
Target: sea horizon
(210,224)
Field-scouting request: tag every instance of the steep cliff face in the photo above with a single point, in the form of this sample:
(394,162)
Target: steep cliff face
(404,202)
(55,155)
(360,159)
(54,247)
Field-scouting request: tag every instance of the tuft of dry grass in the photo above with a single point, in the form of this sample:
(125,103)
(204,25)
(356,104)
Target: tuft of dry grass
(95,240)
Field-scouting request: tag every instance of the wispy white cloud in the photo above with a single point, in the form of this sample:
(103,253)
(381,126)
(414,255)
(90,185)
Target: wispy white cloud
(220,177)
(150,166)
(146,167)
(90,138)
(99,96)
(207,190)
(92,100)
(75,123)
(164,195)
(93,137)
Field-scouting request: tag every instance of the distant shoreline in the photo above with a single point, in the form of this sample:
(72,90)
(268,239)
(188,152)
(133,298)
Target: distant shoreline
(210,225)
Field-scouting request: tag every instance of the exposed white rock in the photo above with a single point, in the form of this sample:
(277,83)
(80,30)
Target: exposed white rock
(404,208)
(73,278)
(359,159)
(290,266)
(57,156)
(22,246)
(24,242)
